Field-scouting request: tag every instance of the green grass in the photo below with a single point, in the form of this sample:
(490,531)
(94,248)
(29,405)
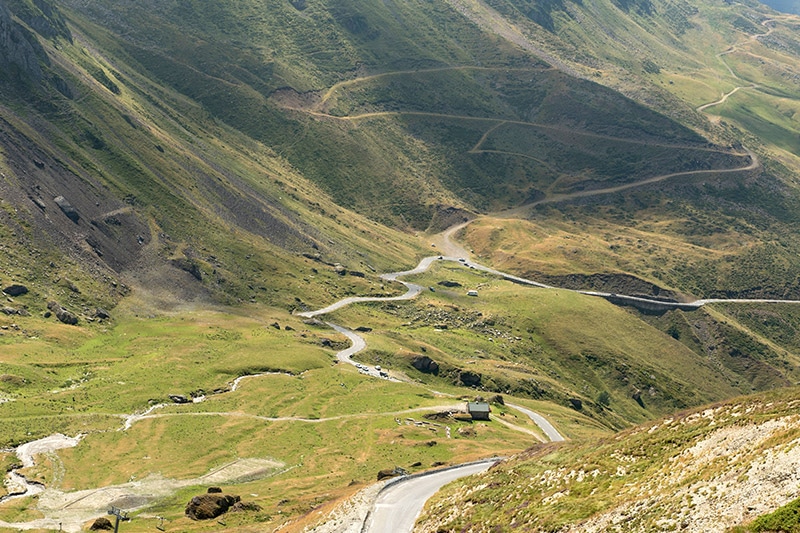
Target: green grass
(660,466)
(556,345)
(84,383)
(785,519)
(181,113)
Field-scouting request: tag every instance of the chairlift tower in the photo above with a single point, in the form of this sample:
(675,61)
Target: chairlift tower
(120,515)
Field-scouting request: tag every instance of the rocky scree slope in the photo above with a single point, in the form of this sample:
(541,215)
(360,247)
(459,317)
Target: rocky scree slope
(110,179)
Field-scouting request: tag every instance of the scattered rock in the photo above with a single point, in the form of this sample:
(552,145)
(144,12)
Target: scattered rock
(209,506)
(357,274)
(239,507)
(275,325)
(62,314)
(394,472)
(414,465)
(425,364)
(470,379)
(102,524)
(101,313)
(16,290)
(438,463)
(190,266)
(288,328)
(67,208)
(179,398)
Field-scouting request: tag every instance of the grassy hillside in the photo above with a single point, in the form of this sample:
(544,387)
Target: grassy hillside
(429,122)
(705,470)
(183,176)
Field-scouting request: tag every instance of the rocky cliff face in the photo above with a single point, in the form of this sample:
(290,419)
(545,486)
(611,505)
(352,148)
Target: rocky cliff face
(20,52)
(43,17)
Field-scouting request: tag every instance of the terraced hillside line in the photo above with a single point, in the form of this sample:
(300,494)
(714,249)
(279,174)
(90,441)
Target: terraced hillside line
(237,414)
(364,79)
(502,121)
(516,212)
(725,97)
(721,56)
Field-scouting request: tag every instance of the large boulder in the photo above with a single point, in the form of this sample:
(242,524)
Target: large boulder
(179,398)
(102,524)
(391,472)
(207,506)
(425,364)
(470,379)
(62,314)
(497,399)
(16,290)
(190,266)
(67,208)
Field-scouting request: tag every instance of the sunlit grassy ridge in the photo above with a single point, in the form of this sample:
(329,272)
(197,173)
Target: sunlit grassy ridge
(325,423)
(558,345)
(704,470)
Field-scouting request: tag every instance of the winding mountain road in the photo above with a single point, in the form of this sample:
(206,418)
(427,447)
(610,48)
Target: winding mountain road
(399,504)
(551,432)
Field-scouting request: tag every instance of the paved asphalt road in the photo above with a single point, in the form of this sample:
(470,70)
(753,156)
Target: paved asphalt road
(398,506)
(551,432)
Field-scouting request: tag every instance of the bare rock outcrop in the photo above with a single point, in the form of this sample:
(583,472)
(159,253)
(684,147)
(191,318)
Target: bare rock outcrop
(46,20)
(425,364)
(19,49)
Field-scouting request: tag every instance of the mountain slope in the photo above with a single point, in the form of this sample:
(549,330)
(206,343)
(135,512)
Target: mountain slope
(705,470)
(183,176)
